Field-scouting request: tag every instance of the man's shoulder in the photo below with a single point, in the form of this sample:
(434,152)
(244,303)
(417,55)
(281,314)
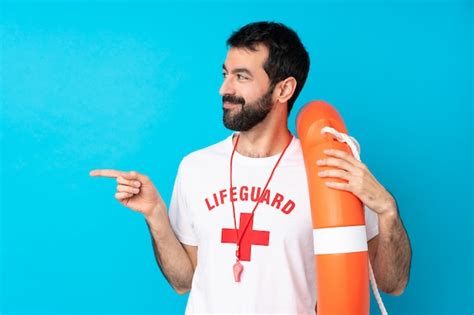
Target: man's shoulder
(207,155)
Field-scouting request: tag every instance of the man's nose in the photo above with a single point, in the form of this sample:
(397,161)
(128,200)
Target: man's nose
(227,87)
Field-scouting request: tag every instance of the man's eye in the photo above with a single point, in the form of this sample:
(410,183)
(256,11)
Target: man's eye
(224,74)
(241,77)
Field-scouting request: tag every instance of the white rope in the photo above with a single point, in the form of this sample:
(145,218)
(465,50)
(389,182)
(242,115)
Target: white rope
(355,148)
(342,137)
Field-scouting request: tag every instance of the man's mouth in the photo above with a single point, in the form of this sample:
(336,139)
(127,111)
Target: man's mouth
(230,105)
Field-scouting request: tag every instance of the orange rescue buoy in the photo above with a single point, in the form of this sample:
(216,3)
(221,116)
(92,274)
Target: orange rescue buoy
(340,241)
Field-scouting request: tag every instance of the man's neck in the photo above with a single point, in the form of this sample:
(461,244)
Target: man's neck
(263,141)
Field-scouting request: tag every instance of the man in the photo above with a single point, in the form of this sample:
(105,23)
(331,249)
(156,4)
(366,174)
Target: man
(239,232)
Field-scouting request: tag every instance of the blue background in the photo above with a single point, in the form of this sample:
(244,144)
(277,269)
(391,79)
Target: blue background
(134,86)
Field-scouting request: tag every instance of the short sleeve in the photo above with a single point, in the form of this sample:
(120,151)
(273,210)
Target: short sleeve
(371,223)
(180,215)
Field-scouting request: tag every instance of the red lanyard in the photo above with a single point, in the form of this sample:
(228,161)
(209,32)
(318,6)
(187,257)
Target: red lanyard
(238,266)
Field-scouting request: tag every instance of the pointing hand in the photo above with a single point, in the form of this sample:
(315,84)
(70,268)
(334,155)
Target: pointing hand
(134,190)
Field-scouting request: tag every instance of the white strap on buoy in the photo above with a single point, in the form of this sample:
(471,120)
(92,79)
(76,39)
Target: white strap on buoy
(355,148)
(339,240)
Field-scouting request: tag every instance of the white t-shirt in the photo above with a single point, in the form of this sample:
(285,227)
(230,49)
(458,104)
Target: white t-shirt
(277,249)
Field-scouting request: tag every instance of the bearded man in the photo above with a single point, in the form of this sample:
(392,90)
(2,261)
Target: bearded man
(238,235)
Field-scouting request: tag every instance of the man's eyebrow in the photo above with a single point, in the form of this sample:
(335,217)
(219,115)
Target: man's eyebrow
(239,70)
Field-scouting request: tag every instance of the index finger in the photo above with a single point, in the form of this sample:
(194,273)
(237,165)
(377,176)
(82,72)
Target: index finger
(107,173)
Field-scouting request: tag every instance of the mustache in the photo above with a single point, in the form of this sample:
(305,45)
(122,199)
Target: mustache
(233,99)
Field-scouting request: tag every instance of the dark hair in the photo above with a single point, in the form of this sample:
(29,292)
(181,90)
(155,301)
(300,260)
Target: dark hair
(287,55)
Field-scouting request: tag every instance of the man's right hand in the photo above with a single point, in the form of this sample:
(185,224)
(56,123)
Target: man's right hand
(176,260)
(134,191)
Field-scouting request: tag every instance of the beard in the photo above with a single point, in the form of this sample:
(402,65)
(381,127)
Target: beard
(250,114)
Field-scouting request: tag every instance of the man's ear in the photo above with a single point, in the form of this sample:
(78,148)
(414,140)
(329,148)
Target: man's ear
(285,89)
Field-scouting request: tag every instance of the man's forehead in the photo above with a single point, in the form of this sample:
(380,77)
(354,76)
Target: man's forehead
(238,57)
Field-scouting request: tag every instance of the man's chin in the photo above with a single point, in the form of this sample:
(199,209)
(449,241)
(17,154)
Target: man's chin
(237,120)
(236,127)
(233,127)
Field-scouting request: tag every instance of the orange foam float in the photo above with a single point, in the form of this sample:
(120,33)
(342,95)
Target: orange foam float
(340,241)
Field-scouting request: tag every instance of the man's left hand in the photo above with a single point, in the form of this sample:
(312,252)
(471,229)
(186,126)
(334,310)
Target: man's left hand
(358,180)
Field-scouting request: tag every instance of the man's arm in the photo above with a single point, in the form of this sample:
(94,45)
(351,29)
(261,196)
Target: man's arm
(137,192)
(390,252)
(176,261)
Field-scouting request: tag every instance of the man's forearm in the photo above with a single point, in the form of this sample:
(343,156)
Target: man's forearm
(393,258)
(171,257)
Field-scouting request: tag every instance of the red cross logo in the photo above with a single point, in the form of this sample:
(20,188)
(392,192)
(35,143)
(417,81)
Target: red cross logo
(251,237)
